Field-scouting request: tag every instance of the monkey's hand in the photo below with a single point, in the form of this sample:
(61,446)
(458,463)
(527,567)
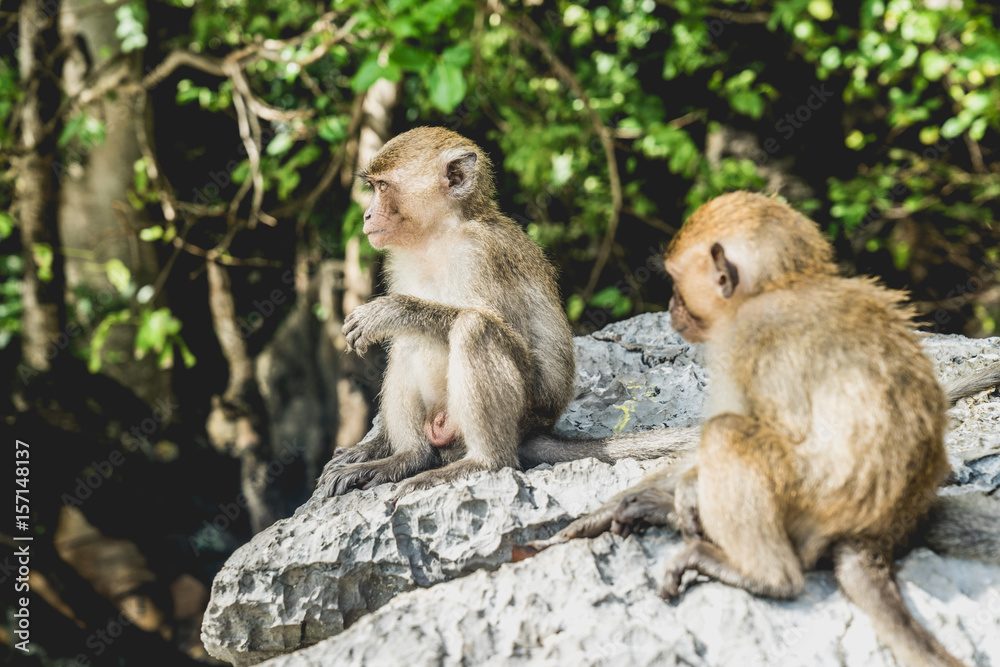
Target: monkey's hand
(371,323)
(589,525)
(642,507)
(678,565)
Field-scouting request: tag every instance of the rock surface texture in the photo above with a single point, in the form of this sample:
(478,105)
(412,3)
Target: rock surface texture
(355,580)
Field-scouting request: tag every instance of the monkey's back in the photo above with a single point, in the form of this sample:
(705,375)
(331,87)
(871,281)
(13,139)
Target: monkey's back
(834,363)
(521,282)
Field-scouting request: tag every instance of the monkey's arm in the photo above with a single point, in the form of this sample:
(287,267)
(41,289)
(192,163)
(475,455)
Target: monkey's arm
(387,316)
(648,503)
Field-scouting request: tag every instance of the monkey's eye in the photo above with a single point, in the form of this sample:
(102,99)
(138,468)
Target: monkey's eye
(381,186)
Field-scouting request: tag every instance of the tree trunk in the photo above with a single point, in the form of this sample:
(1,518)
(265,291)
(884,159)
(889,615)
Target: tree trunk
(95,220)
(35,191)
(359,281)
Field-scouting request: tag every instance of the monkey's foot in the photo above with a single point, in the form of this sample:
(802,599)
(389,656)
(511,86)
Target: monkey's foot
(370,474)
(678,565)
(638,510)
(428,478)
(361,452)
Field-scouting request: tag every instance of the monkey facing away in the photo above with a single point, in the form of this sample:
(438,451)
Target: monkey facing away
(824,423)
(480,351)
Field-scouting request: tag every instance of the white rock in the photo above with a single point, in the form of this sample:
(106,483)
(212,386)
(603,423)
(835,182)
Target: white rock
(428,582)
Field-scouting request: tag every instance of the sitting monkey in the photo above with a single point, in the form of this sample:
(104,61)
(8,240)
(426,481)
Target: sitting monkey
(824,423)
(480,350)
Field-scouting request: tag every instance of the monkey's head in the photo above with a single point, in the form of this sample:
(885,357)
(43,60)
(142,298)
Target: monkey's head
(425,181)
(733,248)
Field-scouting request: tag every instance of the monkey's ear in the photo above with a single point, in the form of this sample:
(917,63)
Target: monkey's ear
(725,273)
(460,174)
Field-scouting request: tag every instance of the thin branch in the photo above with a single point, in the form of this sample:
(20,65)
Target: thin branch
(743,18)
(655,223)
(251,136)
(337,164)
(176,59)
(975,153)
(531,33)
(219,258)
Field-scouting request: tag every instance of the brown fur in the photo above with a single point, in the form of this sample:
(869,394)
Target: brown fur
(825,423)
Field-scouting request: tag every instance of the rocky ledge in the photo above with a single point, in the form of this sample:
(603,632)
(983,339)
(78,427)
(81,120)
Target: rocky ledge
(356,580)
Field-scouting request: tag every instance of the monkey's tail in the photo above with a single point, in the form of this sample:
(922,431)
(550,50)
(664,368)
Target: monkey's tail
(866,579)
(964,526)
(973,383)
(540,448)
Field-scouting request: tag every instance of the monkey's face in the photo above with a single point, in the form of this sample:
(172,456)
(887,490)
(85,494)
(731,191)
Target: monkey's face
(382,215)
(397,214)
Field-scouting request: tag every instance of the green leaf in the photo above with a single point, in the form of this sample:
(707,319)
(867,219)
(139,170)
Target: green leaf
(6,225)
(150,234)
(612,299)
(118,274)
(239,174)
(280,144)
(371,71)
(822,10)
(574,307)
(42,253)
(332,130)
(457,56)
(954,127)
(410,58)
(141,175)
(447,86)
(934,65)
(186,354)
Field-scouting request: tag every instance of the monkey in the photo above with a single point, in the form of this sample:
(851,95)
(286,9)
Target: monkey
(960,526)
(824,422)
(480,351)
(481,359)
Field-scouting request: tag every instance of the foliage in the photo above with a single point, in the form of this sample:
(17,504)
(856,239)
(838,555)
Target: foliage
(905,123)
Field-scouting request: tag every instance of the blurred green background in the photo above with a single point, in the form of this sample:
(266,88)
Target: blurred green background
(180,227)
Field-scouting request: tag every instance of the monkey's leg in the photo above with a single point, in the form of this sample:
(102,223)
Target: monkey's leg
(589,525)
(865,575)
(740,466)
(648,503)
(487,397)
(403,412)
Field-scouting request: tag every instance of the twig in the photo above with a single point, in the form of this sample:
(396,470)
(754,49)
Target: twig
(336,164)
(744,18)
(219,258)
(975,153)
(250,134)
(655,223)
